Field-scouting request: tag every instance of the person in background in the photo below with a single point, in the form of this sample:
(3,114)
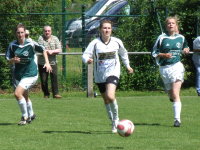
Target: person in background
(21,54)
(167,51)
(27,35)
(53,47)
(104,51)
(196,61)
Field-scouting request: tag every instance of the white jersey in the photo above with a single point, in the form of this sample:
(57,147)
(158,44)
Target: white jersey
(106,58)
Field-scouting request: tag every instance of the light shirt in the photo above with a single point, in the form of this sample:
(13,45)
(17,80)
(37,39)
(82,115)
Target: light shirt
(50,44)
(106,58)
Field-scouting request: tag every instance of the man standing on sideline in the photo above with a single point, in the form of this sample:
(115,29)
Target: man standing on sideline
(53,47)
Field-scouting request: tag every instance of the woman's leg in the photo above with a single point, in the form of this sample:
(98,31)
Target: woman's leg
(175,95)
(19,91)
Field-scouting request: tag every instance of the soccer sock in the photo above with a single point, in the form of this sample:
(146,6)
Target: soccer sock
(109,112)
(23,107)
(29,108)
(177,110)
(114,109)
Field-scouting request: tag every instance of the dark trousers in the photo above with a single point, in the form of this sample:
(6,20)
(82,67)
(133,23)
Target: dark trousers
(44,79)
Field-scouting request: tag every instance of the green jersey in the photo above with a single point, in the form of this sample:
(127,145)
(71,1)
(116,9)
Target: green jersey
(28,59)
(169,44)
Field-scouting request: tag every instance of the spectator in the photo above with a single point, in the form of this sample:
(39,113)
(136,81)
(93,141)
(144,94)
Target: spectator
(53,47)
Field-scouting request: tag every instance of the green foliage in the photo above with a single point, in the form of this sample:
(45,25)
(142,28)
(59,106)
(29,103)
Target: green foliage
(14,12)
(140,33)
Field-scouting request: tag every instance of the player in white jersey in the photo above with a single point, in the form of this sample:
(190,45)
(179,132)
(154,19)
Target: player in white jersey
(104,52)
(21,53)
(167,51)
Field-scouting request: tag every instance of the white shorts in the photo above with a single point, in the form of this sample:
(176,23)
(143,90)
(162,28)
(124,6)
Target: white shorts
(171,74)
(26,83)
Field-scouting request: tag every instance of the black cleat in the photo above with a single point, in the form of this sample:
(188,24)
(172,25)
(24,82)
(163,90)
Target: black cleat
(171,100)
(31,118)
(177,123)
(23,121)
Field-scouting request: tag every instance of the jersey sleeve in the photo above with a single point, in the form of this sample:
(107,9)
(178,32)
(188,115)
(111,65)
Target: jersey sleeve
(185,44)
(9,53)
(123,54)
(88,53)
(38,48)
(156,48)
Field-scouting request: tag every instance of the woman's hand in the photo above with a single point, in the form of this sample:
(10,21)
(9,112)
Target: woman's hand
(15,60)
(165,55)
(90,60)
(186,50)
(130,70)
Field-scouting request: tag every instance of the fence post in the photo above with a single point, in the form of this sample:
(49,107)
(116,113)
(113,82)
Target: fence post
(64,72)
(90,92)
(83,49)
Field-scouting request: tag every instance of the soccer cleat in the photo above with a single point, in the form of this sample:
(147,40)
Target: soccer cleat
(177,123)
(57,96)
(171,100)
(31,118)
(23,121)
(114,129)
(114,126)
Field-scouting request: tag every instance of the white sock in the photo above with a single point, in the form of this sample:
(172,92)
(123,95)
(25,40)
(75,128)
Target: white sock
(23,107)
(177,110)
(109,112)
(114,109)
(29,108)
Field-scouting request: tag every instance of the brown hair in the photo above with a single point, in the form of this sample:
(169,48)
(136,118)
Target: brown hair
(105,21)
(20,25)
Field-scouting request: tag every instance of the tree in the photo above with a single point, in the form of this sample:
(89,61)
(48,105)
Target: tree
(140,33)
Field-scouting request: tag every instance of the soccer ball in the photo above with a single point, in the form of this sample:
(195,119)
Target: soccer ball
(125,127)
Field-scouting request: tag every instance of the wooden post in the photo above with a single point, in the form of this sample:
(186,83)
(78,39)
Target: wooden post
(90,92)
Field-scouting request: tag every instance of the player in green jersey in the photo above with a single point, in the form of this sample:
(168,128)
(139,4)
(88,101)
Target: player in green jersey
(167,51)
(22,54)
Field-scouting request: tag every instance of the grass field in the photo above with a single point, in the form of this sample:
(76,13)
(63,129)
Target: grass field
(79,123)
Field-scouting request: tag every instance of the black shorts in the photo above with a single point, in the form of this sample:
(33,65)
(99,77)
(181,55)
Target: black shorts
(111,79)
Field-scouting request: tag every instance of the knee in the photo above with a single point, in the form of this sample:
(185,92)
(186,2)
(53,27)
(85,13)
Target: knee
(18,94)
(110,98)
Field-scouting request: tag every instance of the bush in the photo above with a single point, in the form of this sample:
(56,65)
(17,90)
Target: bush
(140,33)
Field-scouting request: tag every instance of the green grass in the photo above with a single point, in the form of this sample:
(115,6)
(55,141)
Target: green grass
(79,123)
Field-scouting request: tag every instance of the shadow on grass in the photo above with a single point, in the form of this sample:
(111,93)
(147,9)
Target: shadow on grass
(147,124)
(115,147)
(79,132)
(7,124)
(152,124)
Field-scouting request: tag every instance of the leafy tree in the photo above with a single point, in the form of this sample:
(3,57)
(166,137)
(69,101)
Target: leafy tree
(140,33)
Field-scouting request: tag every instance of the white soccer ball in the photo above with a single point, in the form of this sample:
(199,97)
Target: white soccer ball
(125,127)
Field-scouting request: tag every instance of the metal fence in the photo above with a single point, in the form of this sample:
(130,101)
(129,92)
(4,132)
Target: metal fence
(72,73)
